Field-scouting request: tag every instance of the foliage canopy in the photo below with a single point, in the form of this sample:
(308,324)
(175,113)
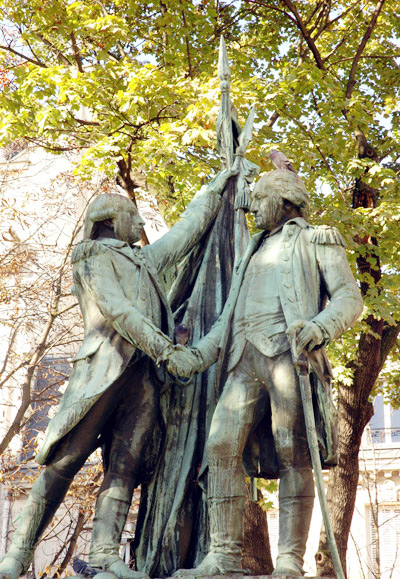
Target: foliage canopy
(132,85)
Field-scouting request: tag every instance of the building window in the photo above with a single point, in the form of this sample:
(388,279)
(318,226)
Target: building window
(385,423)
(385,542)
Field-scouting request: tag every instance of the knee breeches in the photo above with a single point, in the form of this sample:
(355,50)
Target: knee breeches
(248,385)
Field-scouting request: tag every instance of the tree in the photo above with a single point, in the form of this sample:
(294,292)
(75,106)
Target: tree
(333,87)
(39,324)
(39,226)
(133,86)
(107,79)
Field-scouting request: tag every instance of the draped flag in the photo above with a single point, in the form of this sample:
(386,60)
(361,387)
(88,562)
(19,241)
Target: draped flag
(172,528)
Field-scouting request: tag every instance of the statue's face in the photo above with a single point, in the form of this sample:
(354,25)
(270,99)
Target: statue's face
(267,207)
(129,225)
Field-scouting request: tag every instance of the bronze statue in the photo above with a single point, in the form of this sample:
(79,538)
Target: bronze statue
(113,393)
(293,276)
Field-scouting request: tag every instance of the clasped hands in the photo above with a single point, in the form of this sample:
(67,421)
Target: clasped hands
(184,362)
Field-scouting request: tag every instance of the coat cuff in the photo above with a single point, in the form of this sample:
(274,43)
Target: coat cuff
(324,334)
(165,354)
(206,353)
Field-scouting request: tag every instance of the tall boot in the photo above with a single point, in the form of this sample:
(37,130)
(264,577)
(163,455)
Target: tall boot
(296,500)
(112,507)
(45,497)
(225,500)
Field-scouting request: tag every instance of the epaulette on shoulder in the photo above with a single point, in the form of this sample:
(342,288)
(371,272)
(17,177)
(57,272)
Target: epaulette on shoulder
(327,235)
(87,248)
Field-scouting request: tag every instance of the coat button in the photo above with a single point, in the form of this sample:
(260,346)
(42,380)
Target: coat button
(285,258)
(287,285)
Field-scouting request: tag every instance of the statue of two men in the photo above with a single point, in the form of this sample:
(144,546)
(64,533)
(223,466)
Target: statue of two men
(291,274)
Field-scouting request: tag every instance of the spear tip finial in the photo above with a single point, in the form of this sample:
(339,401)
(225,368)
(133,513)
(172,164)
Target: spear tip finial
(247,134)
(223,62)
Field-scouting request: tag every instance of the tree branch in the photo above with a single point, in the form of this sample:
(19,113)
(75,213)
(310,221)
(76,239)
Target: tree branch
(313,13)
(72,544)
(38,352)
(61,57)
(271,7)
(13,337)
(339,17)
(341,41)
(351,80)
(48,147)
(119,44)
(77,54)
(371,56)
(272,119)
(323,14)
(24,56)
(316,145)
(390,335)
(85,122)
(306,35)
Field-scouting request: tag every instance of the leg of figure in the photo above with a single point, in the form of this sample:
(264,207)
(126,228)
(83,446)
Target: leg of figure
(130,428)
(225,499)
(296,501)
(45,497)
(230,427)
(296,487)
(52,484)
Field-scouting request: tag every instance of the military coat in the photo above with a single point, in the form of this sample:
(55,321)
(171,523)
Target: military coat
(315,284)
(124,308)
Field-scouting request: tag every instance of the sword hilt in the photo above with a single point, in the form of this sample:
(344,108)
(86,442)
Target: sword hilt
(300,361)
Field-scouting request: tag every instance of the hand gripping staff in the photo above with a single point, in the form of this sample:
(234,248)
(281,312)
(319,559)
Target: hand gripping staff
(302,368)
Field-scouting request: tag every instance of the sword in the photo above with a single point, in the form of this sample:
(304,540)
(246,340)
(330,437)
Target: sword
(302,368)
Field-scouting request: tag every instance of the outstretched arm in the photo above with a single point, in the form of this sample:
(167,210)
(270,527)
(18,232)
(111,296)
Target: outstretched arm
(198,358)
(195,220)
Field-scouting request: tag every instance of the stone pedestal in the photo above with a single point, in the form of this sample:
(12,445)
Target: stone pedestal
(256,577)
(112,576)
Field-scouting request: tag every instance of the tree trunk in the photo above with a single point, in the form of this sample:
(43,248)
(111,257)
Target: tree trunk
(354,407)
(355,411)
(256,555)
(126,181)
